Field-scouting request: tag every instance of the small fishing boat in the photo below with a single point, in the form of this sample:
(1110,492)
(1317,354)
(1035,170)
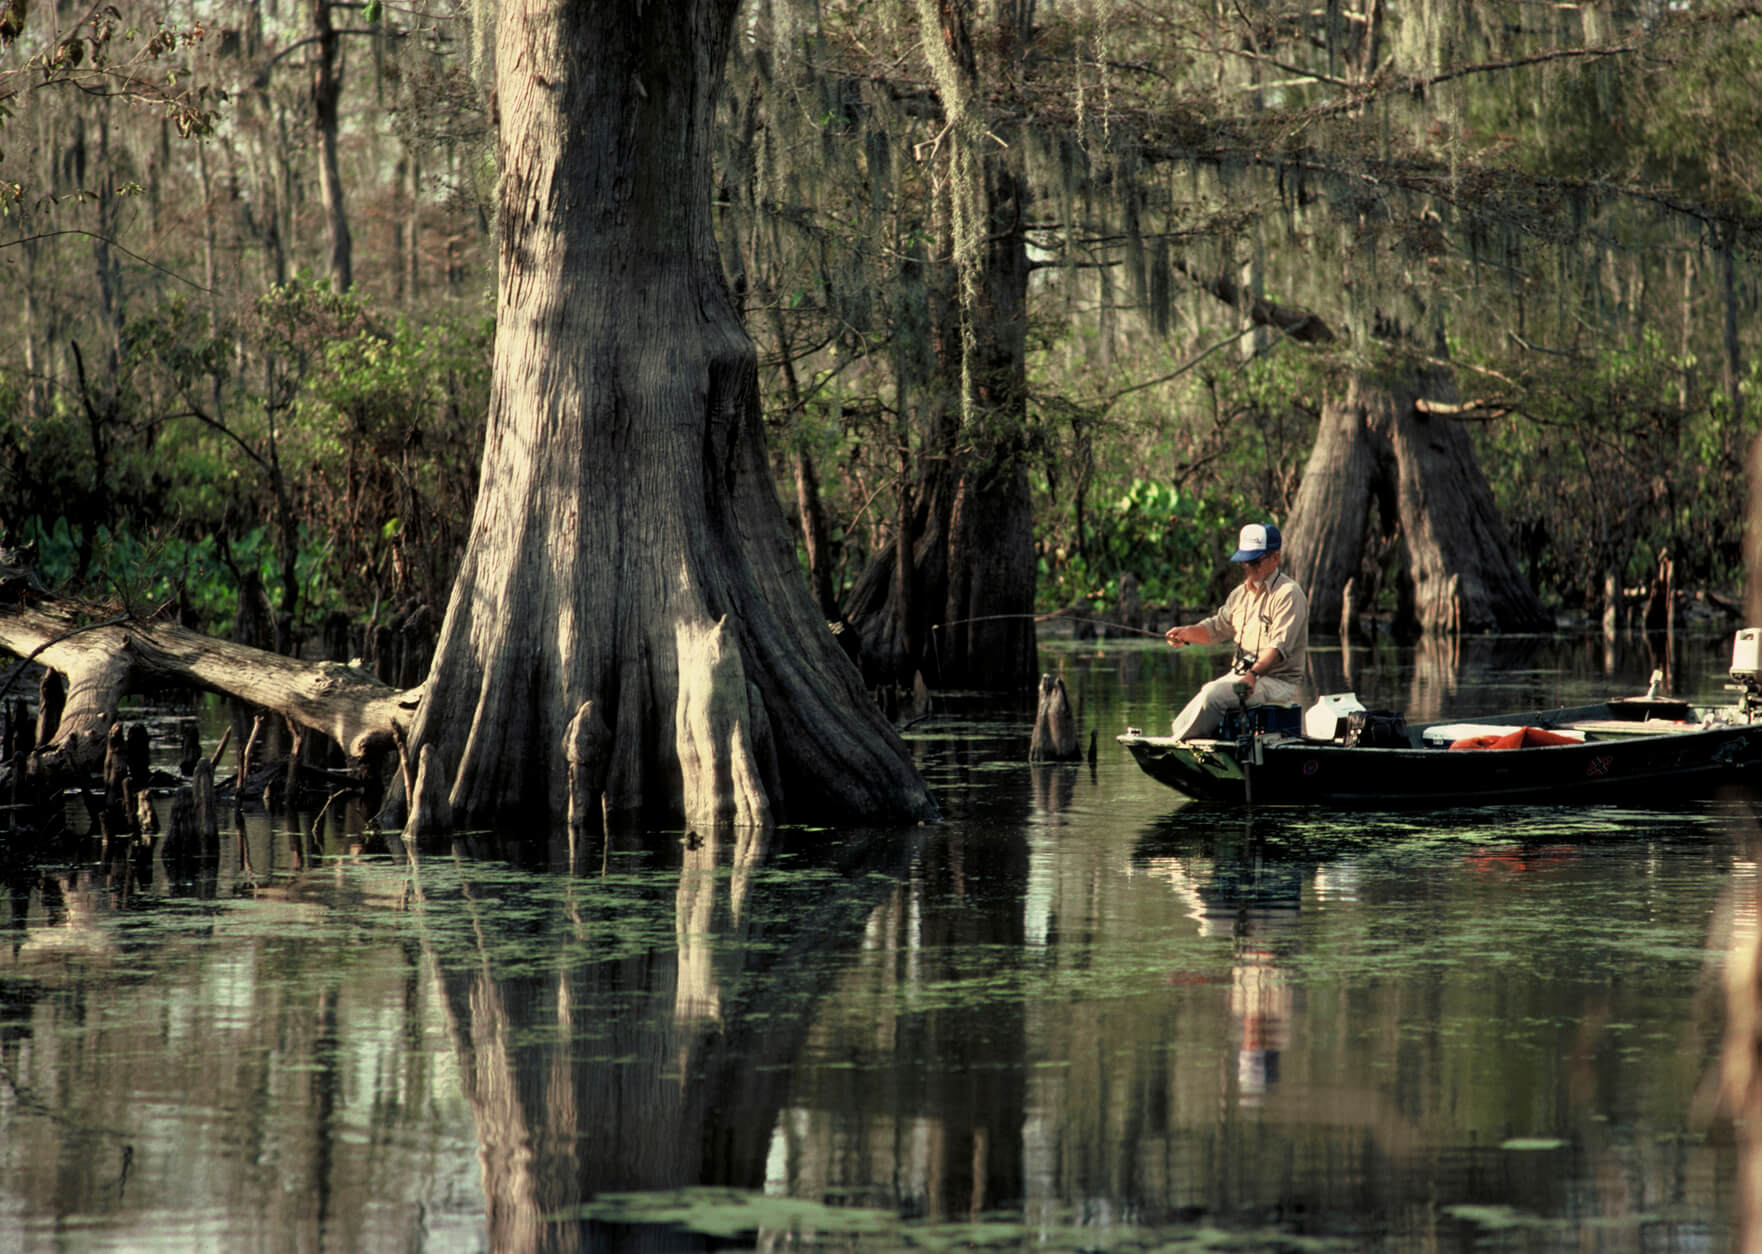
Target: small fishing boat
(1337,753)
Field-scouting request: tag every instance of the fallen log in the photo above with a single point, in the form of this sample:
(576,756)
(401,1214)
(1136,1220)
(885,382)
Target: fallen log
(105,658)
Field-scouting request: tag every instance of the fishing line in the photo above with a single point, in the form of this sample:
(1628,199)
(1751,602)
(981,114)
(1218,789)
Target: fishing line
(1041,618)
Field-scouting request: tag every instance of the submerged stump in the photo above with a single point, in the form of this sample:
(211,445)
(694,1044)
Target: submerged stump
(1055,725)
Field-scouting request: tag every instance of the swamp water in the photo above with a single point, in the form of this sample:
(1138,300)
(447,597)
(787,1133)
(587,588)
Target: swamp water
(1078,1014)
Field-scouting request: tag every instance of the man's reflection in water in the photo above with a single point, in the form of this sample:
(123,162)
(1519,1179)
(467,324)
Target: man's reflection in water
(1256,905)
(1260,1004)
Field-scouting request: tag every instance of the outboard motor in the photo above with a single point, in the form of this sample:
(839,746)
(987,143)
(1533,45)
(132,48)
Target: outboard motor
(1746,669)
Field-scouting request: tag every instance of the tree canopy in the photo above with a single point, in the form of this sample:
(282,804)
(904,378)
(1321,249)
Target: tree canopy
(1232,214)
(1048,297)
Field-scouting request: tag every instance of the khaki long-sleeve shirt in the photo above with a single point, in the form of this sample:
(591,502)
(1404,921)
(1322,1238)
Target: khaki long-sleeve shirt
(1275,616)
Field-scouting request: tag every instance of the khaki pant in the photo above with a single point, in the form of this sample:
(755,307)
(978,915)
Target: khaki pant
(1200,719)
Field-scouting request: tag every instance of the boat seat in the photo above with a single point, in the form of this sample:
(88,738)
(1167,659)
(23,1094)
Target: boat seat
(1610,728)
(1443,735)
(1285,718)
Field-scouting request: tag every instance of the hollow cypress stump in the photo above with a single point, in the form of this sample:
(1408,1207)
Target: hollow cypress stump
(1055,724)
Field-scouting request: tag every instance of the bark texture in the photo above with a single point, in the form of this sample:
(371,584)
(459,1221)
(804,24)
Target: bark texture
(1383,469)
(963,615)
(1055,724)
(628,547)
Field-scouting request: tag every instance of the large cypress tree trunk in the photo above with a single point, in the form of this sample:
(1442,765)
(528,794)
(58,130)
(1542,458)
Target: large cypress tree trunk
(1325,535)
(967,618)
(987,638)
(628,559)
(1465,575)
(1379,444)
(895,616)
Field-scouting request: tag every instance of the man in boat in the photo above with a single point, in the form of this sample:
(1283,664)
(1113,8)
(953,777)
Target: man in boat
(1267,616)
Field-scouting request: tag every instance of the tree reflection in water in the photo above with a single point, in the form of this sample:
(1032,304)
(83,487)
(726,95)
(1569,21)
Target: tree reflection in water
(1077,1013)
(1737,931)
(663,1068)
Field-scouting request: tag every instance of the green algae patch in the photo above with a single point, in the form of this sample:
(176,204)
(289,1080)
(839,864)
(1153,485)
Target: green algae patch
(732,1212)
(735,1214)
(1494,1218)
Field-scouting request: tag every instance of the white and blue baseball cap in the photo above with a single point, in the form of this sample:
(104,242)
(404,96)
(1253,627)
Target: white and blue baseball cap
(1256,540)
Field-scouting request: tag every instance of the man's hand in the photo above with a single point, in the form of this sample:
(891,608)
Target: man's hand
(1176,636)
(1248,679)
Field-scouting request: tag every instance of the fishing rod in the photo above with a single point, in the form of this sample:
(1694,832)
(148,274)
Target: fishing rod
(1041,618)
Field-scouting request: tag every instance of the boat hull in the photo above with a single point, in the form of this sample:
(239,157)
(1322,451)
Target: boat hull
(1624,764)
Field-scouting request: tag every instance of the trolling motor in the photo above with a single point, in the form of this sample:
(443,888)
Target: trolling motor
(1746,669)
(1246,743)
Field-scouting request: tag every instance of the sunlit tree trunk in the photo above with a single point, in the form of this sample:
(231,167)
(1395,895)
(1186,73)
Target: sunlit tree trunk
(326,91)
(628,549)
(412,258)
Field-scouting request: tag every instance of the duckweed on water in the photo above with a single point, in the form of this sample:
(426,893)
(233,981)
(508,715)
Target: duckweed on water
(732,1214)
(1124,1023)
(1507,1219)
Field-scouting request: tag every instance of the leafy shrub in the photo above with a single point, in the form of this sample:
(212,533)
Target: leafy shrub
(333,453)
(1176,543)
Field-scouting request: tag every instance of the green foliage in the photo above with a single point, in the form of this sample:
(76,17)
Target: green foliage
(343,456)
(389,429)
(1175,469)
(1173,542)
(54,547)
(149,573)
(44,464)
(1615,462)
